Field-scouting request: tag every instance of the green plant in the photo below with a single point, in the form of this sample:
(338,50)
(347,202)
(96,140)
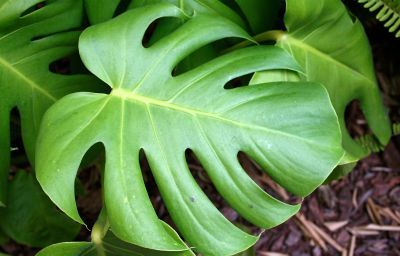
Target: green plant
(177,84)
(388,12)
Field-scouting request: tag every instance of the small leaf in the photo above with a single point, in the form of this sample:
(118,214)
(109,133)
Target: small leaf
(149,109)
(31,218)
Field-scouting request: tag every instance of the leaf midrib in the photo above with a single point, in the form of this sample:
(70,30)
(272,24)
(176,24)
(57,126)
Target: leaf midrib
(28,81)
(287,39)
(127,95)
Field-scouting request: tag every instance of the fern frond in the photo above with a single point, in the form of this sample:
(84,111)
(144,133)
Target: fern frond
(396,129)
(388,12)
(370,143)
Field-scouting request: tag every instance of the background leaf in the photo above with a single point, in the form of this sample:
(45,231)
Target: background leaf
(164,115)
(3,237)
(316,35)
(31,218)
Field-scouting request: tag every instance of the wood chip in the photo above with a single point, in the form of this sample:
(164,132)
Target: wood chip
(271,254)
(374,227)
(389,214)
(354,198)
(314,235)
(372,230)
(374,212)
(361,232)
(381,169)
(326,237)
(336,225)
(352,246)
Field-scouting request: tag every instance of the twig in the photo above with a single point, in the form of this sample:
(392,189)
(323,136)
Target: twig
(352,245)
(314,234)
(334,226)
(327,238)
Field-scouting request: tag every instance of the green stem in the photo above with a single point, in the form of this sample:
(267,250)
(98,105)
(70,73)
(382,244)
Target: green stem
(100,229)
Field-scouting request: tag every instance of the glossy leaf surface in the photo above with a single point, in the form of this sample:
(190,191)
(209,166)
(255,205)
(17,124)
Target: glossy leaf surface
(30,40)
(164,115)
(333,50)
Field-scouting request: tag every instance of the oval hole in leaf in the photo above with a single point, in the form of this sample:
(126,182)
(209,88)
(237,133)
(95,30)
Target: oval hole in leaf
(206,185)
(355,120)
(61,66)
(88,185)
(240,81)
(262,179)
(159,29)
(18,155)
(68,65)
(153,191)
(359,129)
(201,56)
(33,8)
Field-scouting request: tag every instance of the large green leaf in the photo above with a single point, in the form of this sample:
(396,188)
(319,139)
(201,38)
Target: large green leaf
(149,109)
(30,40)
(31,218)
(333,49)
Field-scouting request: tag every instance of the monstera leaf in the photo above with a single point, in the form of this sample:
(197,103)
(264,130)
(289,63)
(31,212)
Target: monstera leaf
(30,40)
(290,129)
(334,50)
(105,243)
(166,26)
(31,218)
